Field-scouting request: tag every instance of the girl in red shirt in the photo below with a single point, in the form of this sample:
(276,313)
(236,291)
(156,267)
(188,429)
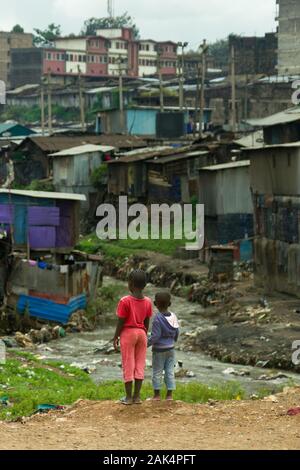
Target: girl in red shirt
(134,313)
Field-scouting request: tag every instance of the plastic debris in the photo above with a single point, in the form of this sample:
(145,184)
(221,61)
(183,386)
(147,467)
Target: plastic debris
(47,408)
(294,411)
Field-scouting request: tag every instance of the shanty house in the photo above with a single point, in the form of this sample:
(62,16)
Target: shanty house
(32,159)
(127,175)
(43,277)
(73,169)
(174,178)
(157,174)
(225,192)
(280,128)
(275,186)
(40,220)
(147,120)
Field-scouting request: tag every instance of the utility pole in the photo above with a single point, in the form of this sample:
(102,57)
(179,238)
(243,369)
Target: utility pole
(161,86)
(121,96)
(204,49)
(182,45)
(49,104)
(81,102)
(196,119)
(43,106)
(233,91)
(246,99)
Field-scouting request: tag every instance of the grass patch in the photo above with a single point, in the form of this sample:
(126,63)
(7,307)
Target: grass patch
(122,249)
(28,382)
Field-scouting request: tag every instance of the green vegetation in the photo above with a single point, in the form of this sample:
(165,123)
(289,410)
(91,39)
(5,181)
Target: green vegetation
(35,185)
(91,25)
(18,29)
(43,37)
(99,176)
(25,115)
(105,301)
(121,249)
(155,93)
(27,382)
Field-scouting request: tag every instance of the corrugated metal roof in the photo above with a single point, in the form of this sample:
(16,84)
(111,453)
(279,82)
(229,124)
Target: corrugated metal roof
(141,155)
(44,194)
(100,90)
(83,149)
(226,166)
(174,158)
(263,147)
(163,154)
(254,139)
(284,117)
(57,143)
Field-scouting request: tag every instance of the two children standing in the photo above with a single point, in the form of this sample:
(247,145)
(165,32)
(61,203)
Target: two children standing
(134,313)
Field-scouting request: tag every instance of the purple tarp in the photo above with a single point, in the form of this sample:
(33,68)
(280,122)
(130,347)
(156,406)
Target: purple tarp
(42,237)
(6,214)
(43,216)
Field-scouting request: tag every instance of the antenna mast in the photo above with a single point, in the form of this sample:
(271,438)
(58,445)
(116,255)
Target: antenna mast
(110,8)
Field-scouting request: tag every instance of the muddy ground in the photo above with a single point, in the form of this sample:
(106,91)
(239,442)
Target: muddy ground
(251,326)
(248,425)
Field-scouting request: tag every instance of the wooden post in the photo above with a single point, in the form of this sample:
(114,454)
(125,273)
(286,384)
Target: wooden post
(202,98)
(161,86)
(81,103)
(49,104)
(43,107)
(233,91)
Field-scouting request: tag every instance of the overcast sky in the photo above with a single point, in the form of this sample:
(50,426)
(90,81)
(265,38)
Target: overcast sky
(190,20)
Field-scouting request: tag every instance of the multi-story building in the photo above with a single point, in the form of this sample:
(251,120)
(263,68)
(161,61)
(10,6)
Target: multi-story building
(255,55)
(102,55)
(9,41)
(288,37)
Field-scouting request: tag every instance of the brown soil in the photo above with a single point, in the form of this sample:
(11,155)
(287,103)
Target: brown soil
(161,426)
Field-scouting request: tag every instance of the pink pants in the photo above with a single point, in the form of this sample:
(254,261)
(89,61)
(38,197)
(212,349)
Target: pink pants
(134,352)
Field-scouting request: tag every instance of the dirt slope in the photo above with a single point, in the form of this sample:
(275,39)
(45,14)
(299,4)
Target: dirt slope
(160,426)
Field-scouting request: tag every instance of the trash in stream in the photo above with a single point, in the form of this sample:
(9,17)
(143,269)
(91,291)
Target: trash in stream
(180,372)
(272,377)
(237,373)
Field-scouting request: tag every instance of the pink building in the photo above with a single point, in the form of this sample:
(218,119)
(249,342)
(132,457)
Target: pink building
(99,55)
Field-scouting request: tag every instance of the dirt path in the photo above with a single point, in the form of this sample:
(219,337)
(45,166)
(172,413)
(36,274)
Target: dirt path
(161,426)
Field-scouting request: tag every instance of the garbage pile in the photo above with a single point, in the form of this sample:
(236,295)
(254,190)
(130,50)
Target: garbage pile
(158,275)
(209,293)
(78,323)
(243,270)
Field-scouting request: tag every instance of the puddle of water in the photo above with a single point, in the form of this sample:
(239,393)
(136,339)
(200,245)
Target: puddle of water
(79,349)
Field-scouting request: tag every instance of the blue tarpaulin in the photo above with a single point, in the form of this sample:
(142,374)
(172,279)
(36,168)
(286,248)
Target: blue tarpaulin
(49,310)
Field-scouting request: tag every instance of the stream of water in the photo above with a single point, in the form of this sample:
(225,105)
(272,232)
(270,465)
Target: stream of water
(79,349)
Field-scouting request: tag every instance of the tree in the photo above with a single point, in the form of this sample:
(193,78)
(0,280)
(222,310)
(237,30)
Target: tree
(17,29)
(47,36)
(92,24)
(219,50)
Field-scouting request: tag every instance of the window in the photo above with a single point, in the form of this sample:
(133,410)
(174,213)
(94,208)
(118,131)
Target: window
(49,55)
(117,45)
